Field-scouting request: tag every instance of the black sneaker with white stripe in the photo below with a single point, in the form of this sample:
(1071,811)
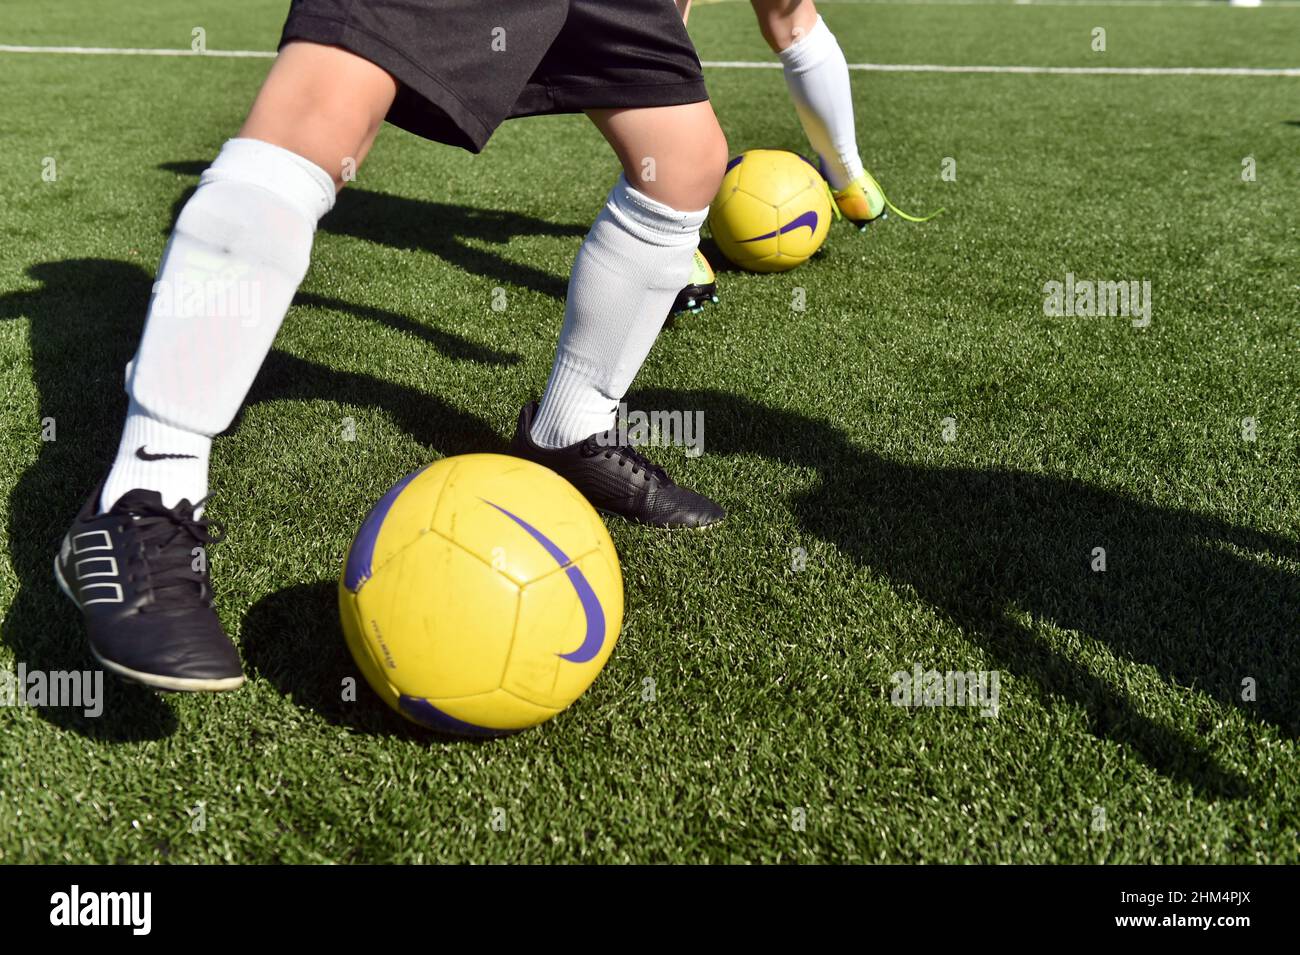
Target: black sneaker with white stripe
(139,574)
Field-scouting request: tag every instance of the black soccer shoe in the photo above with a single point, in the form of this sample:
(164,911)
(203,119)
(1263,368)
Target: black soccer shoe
(148,612)
(617,480)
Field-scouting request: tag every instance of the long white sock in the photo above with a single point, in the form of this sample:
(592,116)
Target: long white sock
(634,261)
(239,250)
(818,78)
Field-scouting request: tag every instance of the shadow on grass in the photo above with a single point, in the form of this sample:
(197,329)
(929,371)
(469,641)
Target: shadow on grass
(1199,600)
(85,320)
(1192,596)
(293,638)
(1183,593)
(440,229)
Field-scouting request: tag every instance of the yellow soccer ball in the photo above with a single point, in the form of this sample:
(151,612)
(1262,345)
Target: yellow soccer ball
(772,211)
(482,595)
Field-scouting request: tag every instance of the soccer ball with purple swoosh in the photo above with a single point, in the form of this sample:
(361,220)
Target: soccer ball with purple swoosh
(772,211)
(482,595)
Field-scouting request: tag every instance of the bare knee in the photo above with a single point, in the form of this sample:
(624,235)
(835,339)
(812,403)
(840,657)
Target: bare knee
(712,166)
(784,22)
(324,104)
(691,174)
(674,154)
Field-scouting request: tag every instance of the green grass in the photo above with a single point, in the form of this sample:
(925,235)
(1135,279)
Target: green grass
(1119,691)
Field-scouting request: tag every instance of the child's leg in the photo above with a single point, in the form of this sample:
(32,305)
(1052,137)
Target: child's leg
(817,76)
(234,261)
(633,262)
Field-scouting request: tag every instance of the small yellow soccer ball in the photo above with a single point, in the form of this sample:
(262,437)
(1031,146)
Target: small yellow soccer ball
(772,211)
(482,595)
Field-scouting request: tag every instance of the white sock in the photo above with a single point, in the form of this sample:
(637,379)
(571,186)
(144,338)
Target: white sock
(634,261)
(818,78)
(239,250)
(158,457)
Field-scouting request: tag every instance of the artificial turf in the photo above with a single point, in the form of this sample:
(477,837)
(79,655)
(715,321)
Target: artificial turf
(1122,734)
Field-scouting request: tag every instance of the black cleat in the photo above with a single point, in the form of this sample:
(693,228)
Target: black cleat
(702,289)
(148,612)
(617,480)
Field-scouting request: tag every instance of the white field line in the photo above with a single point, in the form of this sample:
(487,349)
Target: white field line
(1047,70)
(136,51)
(751,64)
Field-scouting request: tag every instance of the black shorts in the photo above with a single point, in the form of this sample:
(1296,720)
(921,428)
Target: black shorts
(464,66)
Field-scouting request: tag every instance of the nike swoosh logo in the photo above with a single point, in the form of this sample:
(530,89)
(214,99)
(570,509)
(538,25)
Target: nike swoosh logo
(144,455)
(595,636)
(808,219)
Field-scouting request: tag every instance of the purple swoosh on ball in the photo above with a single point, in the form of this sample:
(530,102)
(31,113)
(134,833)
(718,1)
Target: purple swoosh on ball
(362,551)
(595,637)
(808,219)
(426,714)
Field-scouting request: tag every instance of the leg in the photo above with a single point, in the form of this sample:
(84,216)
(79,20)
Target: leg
(817,76)
(679,179)
(673,154)
(240,247)
(323,104)
(635,259)
(135,561)
(784,22)
(633,262)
